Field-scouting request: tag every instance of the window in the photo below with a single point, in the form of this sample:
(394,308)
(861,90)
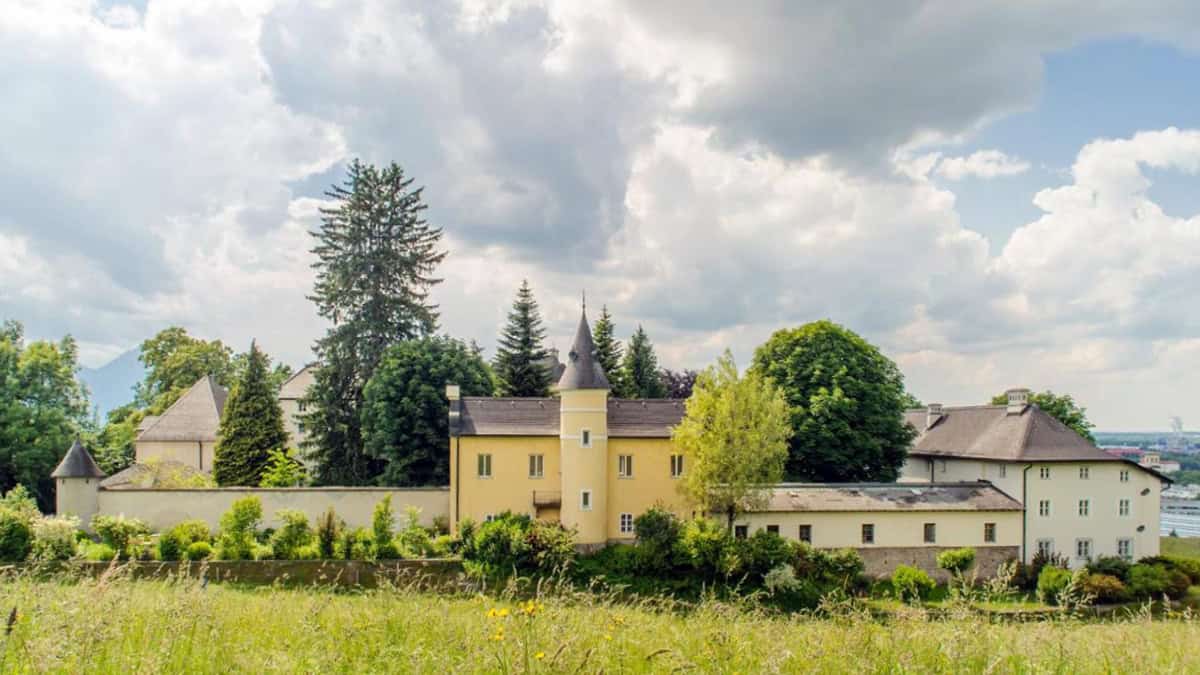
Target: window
(300,427)
(989,533)
(868,533)
(585,500)
(1084,473)
(1045,547)
(1003,470)
(1044,473)
(1125,548)
(1124,475)
(489,517)
(585,438)
(806,534)
(1044,507)
(1083,549)
(1085,507)
(1123,507)
(301,406)
(484,466)
(676,466)
(741,531)
(930,533)
(537,464)
(624,466)
(773,529)
(626,523)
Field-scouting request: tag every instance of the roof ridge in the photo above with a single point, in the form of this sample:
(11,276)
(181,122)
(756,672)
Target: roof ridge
(296,374)
(177,401)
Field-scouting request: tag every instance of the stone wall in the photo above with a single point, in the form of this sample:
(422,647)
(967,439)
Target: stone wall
(355,505)
(882,561)
(436,574)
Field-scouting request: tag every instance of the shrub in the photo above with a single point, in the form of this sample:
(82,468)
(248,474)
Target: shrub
(173,543)
(956,561)
(382,524)
(170,546)
(1177,584)
(328,528)
(762,552)
(354,544)
(1028,575)
(657,533)
(552,545)
(829,569)
(22,504)
(911,584)
(1052,581)
(414,538)
(239,527)
(1105,588)
(199,550)
(517,543)
(292,536)
(441,546)
(308,552)
(704,544)
(283,470)
(781,579)
(121,533)
(99,552)
(1189,566)
(1151,581)
(1110,565)
(54,538)
(16,536)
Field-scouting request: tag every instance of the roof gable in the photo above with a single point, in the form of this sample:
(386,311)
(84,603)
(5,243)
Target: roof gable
(77,463)
(196,416)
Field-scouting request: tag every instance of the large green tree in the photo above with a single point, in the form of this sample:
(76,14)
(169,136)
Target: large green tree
(847,402)
(1061,407)
(639,369)
(404,408)
(734,438)
(376,258)
(521,353)
(251,425)
(608,348)
(43,406)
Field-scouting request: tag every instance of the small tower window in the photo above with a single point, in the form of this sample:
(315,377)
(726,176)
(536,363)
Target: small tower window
(676,466)
(625,466)
(585,500)
(585,438)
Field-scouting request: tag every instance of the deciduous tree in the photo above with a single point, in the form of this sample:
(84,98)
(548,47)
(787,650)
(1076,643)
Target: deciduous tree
(520,355)
(1061,407)
(734,438)
(678,383)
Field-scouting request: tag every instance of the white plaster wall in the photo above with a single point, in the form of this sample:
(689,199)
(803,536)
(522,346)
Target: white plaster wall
(164,508)
(196,454)
(892,528)
(77,497)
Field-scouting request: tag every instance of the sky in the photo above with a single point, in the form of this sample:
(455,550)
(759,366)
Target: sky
(997,194)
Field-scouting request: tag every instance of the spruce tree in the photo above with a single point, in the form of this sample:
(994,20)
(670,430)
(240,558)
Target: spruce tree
(519,363)
(639,370)
(251,426)
(608,349)
(376,257)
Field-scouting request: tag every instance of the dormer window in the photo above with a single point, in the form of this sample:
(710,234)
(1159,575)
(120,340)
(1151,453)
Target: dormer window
(585,438)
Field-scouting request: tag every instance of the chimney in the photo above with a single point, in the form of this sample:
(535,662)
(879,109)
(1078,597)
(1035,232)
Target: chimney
(453,392)
(454,395)
(932,415)
(1017,400)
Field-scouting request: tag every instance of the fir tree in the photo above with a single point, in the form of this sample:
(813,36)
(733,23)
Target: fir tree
(376,258)
(520,357)
(251,426)
(639,370)
(608,349)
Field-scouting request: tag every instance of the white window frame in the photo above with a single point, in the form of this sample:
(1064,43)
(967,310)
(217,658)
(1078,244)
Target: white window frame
(989,527)
(1085,508)
(1085,473)
(301,406)
(1044,472)
(537,465)
(1124,475)
(1044,508)
(624,466)
(1128,542)
(1124,507)
(625,523)
(676,466)
(489,517)
(929,533)
(1083,542)
(1045,545)
(585,500)
(483,461)
(863,536)
(585,438)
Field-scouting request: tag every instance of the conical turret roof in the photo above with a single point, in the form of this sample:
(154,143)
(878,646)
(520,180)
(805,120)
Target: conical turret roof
(583,369)
(78,463)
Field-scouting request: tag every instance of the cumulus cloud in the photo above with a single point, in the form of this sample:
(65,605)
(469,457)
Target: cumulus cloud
(981,164)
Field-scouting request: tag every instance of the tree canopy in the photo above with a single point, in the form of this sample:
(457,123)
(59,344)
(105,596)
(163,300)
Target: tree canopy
(639,370)
(404,410)
(43,407)
(1061,407)
(608,348)
(734,438)
(376,259)
(847,403)
(251,426)
(678,383)
(521,353)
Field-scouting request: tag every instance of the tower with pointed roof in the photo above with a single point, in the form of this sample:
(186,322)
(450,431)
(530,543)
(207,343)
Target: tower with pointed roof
(77,484)
(583,437)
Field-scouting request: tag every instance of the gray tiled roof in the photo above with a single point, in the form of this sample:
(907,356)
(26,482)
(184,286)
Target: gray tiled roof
(991,432)
(627,418)
(196,416)
(77,463)
(583,369)
(867,497)
(145,476)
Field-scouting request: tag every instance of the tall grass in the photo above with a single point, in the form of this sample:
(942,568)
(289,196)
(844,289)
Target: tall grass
(113,624)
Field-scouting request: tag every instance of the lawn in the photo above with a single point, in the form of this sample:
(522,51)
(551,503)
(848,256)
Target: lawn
(1185,546)
(113,625)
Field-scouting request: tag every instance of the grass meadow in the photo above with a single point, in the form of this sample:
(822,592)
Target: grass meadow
(113,624)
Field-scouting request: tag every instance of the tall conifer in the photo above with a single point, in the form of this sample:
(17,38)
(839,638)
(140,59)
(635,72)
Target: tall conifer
(639,370)
(520,357)
(251,426)
(608,349)
(376,257)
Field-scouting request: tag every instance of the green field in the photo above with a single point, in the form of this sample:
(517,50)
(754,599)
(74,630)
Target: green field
(124,626)
(1185,546)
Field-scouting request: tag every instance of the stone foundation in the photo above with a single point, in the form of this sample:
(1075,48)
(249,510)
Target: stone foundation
(881,561)
(426,574)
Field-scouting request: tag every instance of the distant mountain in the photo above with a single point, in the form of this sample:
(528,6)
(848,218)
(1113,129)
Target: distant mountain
(112,384)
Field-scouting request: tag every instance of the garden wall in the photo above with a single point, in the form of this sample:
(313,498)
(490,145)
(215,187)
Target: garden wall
(164,508)
(882,561)
(423,573)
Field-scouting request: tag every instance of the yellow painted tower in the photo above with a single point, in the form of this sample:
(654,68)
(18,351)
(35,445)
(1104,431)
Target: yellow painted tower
(583,434)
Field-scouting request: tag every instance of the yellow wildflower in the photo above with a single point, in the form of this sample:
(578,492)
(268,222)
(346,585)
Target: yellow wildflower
(607,636)
(539,656)
(502,613)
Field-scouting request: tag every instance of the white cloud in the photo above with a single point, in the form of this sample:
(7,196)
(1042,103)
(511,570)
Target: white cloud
(981,164)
